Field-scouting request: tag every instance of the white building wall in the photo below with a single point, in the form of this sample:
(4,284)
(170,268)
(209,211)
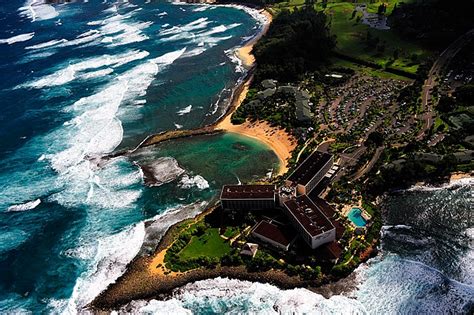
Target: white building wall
(323,238)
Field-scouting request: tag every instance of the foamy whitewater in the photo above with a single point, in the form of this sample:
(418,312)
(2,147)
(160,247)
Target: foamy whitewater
(423,268)
(89,78)
(82,80)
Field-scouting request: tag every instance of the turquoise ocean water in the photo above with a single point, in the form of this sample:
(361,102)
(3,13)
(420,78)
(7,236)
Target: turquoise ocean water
(83,79)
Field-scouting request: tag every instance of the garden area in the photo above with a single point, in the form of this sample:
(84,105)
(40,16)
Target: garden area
(200,245)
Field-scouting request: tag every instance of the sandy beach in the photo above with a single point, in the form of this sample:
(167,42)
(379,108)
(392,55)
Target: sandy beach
(278,139)
(460,175)
(244,53)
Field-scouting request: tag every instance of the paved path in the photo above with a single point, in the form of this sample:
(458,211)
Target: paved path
(442,61)
(367,167)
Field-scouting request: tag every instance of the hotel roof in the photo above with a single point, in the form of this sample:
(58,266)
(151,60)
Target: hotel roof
(275,233)
(248,192)
(329,212)
(308,169)
(309,216)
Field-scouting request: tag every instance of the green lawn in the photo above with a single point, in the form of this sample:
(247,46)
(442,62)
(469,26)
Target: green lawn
(231,231)
(351,40)
(210,244)
(351,35)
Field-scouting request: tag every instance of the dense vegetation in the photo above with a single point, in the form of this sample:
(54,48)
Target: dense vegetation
(296,42)
(435,22)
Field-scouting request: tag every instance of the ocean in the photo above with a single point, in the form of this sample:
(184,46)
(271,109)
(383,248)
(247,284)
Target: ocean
(83,79)
(425,266)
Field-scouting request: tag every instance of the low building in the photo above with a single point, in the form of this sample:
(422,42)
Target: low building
(281,238)
(309,173)
(269,84)
(249,249)
(262,95)
(303,112)
(248,197)
(310,222)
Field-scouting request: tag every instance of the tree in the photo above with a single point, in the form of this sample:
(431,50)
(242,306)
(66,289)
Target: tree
(396,53)
(296,42)
(446,104)
(374,139)
(381,9)
(353,14)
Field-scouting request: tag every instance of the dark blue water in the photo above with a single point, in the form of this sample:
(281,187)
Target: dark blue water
(81,80)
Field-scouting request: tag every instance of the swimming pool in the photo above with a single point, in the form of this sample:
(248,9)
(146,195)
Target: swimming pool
(355,215)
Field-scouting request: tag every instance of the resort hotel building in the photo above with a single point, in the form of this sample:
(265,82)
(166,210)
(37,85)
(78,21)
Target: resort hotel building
(309,173)
(308,218)
(310,222)
(248,197)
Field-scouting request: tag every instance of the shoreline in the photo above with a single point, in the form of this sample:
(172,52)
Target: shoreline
(145,276)
(277,139)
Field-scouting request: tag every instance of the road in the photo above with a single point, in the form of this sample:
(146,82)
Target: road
(443,60)
(367,167)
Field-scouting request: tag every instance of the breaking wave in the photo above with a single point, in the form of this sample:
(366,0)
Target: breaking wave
(25,206)
(17,38)
(185,110)
(222,295)
(198,181)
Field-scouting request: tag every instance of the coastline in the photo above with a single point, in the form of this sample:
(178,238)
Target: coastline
(146,277)
(277,139)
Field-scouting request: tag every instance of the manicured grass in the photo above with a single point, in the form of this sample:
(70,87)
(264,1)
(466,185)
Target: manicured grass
(231,231)
(438,122)
(351,40)
(209,244)
(366,70)
(351,35)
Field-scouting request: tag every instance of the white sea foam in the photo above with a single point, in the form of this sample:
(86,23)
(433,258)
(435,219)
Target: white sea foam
(36,56)
(185,110)
(17,39)
(178,126)
(71,71)
(120,32)
(25,206)
(163,170)
(222,295)
(469,181)
(467,261)
(394,285)
(201,8)
(95,74)
(231,53)
(198,181)
(169,58)
(38,10)
(47,44)
(113,253)
(195,52)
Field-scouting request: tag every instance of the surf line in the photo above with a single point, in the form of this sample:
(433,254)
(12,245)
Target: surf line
(210,129)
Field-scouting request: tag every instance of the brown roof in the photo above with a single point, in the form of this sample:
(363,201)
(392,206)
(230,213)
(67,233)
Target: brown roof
(283,236)
(309,215)
(329,212)
(310,167)
(248,192)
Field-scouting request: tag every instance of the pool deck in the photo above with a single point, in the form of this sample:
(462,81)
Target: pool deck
(348,207)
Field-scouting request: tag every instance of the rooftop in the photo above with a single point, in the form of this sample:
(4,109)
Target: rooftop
(308,169)
(248,192)
(275,233)
(329,212)
(309,215)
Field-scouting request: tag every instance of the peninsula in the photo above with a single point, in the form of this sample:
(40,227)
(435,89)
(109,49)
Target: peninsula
(354,107)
